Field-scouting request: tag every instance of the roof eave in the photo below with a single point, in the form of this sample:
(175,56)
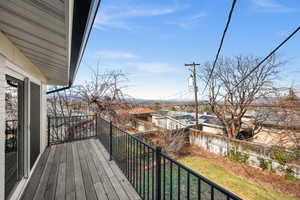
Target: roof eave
(84,12)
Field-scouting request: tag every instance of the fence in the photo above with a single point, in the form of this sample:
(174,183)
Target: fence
(222,145)
(66,129)
(152,173)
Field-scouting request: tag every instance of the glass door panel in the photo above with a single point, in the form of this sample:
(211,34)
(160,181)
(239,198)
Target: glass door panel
(14,129)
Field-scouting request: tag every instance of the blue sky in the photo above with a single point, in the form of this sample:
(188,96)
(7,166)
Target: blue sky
(151,40)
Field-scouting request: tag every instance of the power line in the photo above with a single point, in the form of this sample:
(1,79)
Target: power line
(269,55)
(175,95)
(221,44)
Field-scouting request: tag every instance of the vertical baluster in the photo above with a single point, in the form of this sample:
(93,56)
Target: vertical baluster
(158,173)
(56,130)
(153,178)
(188,185)
(143,171)
(110,140)
(199,189)
(148,172)
(126,148)
(135,165)
(171,180)
(140,167)
(164,177)
(84,119)
(131,160)
(178,184)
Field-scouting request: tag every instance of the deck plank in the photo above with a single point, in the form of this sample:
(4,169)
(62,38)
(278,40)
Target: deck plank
(52,181)
(101,194)
(122,180)
(80,191)
(119,174)
(34,181)
(44,179)
(70,177)
(87,179)
(108,187)
(114,180)
(61,180)
(78,170)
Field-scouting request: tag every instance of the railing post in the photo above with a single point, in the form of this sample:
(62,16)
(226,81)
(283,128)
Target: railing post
(96,124)
(48,144)
(158,173)
(110,140)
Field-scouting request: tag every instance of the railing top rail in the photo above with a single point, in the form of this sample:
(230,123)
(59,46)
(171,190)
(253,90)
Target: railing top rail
(11,120)
(73,116)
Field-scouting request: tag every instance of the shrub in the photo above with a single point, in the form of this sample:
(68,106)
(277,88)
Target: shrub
(289,173)
(238,156)
(297,153)
(281,157)
(265,164)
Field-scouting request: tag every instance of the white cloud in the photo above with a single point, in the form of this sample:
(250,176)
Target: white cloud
(271,6)
(115,54)
(152,67)
(116,17)
(189,21)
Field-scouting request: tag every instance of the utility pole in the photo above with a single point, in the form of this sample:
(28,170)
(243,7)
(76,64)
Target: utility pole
(193,70)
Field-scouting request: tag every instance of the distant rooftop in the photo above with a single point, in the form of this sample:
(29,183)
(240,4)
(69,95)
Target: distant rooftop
(141,110)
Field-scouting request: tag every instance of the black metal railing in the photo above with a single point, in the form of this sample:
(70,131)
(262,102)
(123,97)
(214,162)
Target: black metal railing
(11,131)
(67,129)
(153,174)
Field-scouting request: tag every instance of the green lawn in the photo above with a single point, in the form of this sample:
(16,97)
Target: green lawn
(243,188)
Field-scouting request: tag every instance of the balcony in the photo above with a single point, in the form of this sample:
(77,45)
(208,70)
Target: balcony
(78,170)
(90,158)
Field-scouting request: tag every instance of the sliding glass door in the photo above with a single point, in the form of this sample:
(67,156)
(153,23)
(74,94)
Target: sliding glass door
(14,133)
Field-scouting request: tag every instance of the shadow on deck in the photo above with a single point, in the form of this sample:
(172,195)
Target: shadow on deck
(78,170)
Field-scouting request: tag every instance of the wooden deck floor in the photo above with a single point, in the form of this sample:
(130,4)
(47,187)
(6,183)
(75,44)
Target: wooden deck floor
(78,170)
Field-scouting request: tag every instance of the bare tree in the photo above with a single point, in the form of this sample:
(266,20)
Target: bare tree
(105,92)
(230,92)
(288,120)
(170,141)
(11,102)
(64,103)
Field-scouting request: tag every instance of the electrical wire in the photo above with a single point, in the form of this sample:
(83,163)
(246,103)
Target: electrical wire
(221,44)
(268,56)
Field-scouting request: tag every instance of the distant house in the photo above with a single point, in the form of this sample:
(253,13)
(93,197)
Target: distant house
(210,124)
(142,113)
(173,120)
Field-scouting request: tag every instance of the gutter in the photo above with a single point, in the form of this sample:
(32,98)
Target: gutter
(89,23)
(60,89)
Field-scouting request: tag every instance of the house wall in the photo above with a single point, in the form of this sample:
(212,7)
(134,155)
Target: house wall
(9,51)
(14,63)
(143,126)
(167,123)
(211,129)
